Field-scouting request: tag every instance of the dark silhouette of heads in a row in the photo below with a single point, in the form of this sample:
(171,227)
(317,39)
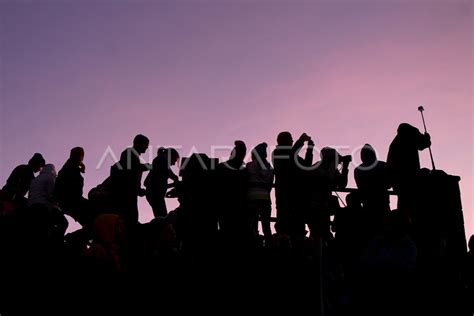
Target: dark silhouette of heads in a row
(363,248)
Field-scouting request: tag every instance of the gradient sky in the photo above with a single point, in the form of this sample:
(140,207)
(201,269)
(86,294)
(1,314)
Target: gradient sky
(203,73)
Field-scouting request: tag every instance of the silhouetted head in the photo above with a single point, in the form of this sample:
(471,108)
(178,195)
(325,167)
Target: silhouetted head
(141,143)
(368,155)
(471,243)
(36,162)
(329,155)
(77,155)
(239,151)
(260,152)
(49,169)
(407,131)
(170,154)
(284,139)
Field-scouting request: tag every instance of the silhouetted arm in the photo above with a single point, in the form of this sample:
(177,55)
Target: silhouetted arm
(172,175)
(297,147)
(308,158)
(424,141)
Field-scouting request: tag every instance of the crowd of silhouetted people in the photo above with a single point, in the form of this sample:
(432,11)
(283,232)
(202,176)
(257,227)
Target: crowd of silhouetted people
(358,255)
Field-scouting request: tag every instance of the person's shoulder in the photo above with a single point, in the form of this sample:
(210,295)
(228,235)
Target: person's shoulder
(381,164)
(21,168)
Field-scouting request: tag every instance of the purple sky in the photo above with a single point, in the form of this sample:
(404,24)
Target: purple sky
(203,73)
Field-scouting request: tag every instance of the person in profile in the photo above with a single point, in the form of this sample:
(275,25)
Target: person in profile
(403,162)
(372,180)
(156,182)
(69,187)
(126,180)
(350,232)
(232,190)
(19,181)
(261,175)
(288,167)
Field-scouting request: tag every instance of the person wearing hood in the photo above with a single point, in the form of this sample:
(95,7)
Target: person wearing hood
(326,178)
(403,162)
(372,180)
(42,188)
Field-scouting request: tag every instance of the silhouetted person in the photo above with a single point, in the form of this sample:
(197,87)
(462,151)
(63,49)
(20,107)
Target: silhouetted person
(18,183)
(43,205)
(69,187)
(261,176)
(126,177)
(349,226)
(351,236)
(233,222)
(403,162)
(326,178)
(156,182)
(372,180)
(288,167)
(42,187)
(201,205)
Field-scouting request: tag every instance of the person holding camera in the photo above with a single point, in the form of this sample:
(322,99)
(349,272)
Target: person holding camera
(290,170)
(326,178)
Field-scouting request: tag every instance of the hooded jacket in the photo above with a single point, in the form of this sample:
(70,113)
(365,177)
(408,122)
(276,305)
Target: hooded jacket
(42,187)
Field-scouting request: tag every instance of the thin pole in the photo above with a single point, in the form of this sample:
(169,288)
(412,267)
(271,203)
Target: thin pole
(421,109)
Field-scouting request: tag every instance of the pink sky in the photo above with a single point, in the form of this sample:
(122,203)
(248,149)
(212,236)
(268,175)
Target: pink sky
(204,73)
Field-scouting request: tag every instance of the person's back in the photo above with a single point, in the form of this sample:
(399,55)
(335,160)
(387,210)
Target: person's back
(403,159)
(18,183)
(42,187)
(156,182)
(69,188)
(261,176)
(326,177)
(232,178)
(157,178)
(372,180)
(126,177)
(403,164)
(130,170)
